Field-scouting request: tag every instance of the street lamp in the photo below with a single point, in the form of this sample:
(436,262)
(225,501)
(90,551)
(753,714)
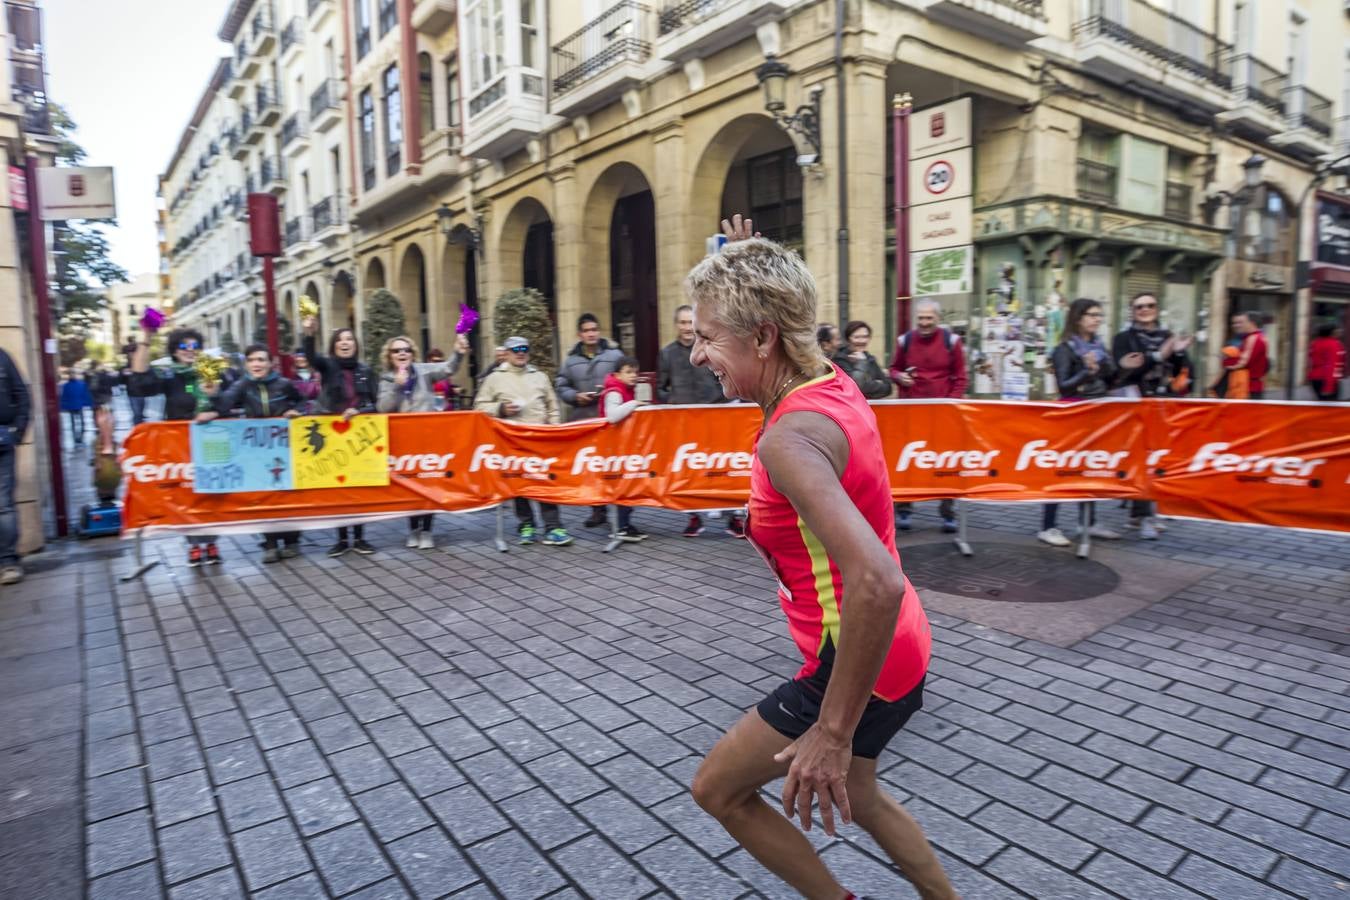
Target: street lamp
(805,122)
(460,234)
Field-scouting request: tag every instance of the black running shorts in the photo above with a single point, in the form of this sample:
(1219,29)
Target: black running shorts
(794,706)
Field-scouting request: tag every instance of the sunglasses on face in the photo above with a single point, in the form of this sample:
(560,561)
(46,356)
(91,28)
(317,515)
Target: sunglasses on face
(189,345)
(400,349)
(520,349)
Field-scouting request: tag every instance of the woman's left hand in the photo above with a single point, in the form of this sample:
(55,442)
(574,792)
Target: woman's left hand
(461,344)
(350,414)
(1132,360)
(819,770)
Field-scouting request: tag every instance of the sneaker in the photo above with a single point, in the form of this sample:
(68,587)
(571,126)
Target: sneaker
(695,526)
(194,556)
(290,551)
(949,526)
(425,541)
(11,574)
(715,514)
(271,555)
(412,541)
(557,537)
(902,522)
(631,535)
(526,534)
(736,527)
(360,546)
(1147,530)
(338,549)
(212,555)
(597,520)
(1158,524)
(1054,537)
(1103,533)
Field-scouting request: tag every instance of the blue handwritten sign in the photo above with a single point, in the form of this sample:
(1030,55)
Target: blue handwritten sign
(230,455)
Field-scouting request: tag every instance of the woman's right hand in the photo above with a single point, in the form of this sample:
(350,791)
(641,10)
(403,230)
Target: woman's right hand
(1090,361)
(401,376)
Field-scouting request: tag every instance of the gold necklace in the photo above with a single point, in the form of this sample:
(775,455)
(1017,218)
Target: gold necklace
(779,396)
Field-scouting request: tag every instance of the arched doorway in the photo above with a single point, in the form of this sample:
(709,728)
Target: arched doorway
(342,309)
(750,168)
(620,219)
(374,275)
(412,291)
(525,251)
(459,275)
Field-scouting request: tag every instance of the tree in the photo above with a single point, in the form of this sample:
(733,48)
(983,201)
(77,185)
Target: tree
(523,312)
(229,345)
(384,320)
(284,335)
(83,269)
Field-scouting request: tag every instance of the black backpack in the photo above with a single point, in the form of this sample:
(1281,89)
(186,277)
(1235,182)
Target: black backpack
(948,340)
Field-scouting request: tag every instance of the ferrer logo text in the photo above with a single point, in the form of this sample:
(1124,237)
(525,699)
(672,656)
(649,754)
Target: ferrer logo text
(689,456)
(527,466)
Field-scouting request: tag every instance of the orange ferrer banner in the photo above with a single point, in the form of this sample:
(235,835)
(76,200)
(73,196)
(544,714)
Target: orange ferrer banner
(1267,463)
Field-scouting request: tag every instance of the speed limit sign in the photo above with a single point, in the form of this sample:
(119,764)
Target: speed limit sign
(938,177)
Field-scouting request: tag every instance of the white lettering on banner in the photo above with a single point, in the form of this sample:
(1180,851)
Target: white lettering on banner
(915,455)
(484,458)
(136,467)
(1211,456)
(1034,454)
(701,461)
(1155,457)
(422,463)
(587,460)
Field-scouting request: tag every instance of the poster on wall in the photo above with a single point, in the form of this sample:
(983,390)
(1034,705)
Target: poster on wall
(947,271)
(941,174)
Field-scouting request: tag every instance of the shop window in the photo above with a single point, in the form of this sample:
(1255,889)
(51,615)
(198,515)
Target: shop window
(774,188)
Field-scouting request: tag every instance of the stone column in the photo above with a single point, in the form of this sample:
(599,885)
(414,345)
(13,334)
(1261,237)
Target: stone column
(673,222)
(868,203)
(568,252)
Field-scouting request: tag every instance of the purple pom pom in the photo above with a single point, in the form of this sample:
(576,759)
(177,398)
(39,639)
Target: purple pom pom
(468,317)
(152,319)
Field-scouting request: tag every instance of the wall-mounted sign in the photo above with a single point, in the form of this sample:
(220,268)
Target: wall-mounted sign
(18,189)
(1333,230)
(940,177)
(76,192)
(940,168)
(942,224)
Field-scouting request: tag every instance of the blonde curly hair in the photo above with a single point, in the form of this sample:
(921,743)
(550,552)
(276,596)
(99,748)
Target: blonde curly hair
(754,282)
(387,356)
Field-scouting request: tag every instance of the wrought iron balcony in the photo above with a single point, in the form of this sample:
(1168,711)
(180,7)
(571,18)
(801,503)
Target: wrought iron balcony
(297,230)
(619,35)
(325,105)
(266,105)
(294,131)
(263,29)
(293,35)
(1097,182)
(327,213)
(272,174)
(686,29)
(362,42)
(1170,39)
(1177,201)
(1306,108)
(1254,80)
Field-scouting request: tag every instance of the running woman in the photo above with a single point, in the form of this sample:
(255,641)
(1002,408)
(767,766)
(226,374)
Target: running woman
(820,515)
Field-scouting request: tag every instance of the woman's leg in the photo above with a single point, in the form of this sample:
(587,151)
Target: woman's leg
(625,516)
(727,786)
(1049,515)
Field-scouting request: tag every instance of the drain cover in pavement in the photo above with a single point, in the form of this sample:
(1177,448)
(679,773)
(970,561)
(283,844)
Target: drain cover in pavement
(1011,572)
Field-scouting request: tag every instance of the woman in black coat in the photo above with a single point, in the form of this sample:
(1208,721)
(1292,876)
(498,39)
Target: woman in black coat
(349,388)
(854,361)
(1084,370)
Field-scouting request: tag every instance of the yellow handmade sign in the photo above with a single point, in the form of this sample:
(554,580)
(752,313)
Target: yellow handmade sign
(330,452)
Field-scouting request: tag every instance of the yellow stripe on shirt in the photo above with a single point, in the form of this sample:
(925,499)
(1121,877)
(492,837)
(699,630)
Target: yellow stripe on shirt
(825,594)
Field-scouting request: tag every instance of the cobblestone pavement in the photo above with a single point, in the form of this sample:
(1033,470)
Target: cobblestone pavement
(467,723)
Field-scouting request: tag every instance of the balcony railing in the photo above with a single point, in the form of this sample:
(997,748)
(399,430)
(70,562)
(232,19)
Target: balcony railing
(676,15)
(324,98)
(1259,82)
(1307,109)
(362,42)
(293,34)
(616,36)
(297,230)
(1148,29)
(312,6)
(262,23)
(264,99)
(294,128)
(1177,201)
(272,170)
(1097,182)
(327,213)
(388,16)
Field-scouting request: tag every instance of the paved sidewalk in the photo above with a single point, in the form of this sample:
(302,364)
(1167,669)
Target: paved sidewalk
(475,724)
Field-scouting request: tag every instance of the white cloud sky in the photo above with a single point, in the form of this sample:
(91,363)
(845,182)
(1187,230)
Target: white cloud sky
(130,73)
